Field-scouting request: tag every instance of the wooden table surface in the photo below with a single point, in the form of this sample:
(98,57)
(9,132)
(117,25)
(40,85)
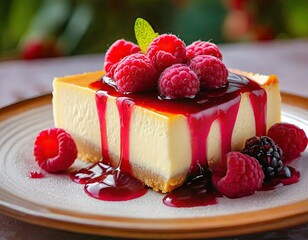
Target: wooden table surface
(19,80)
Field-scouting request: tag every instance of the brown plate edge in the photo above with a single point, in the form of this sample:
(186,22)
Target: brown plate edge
(220,226)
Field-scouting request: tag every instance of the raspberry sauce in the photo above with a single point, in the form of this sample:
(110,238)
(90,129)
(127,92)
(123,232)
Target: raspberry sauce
(198,191)
(107,183)
(281,181)
(35,174)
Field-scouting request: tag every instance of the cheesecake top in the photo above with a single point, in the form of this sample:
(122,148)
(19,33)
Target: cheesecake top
(239,82)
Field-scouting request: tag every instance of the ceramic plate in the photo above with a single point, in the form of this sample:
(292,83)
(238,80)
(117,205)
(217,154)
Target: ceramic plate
(55,201)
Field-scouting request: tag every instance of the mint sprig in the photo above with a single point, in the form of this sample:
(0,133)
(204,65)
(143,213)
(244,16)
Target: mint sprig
(144,34)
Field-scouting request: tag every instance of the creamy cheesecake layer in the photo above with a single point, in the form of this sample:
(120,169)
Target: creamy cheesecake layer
(160,149)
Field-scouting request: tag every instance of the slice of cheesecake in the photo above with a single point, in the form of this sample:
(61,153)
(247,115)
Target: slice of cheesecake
(162,142)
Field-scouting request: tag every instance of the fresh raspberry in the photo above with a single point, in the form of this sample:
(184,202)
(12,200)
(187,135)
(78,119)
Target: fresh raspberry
(178,81)
(166,50)
(237,175)
(135,73)
(40,49)
(211,72)
(290,138)
(117,51)
(202,48)
(54,150)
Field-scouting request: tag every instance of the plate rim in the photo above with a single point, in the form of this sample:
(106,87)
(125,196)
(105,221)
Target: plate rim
(214,226)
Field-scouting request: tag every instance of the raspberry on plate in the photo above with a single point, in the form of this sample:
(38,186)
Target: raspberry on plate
(202,48)
(117,51)
(166,50)
(54,150)
(135,73)
(178,81)
(211,71)
(237,175)
(290,138)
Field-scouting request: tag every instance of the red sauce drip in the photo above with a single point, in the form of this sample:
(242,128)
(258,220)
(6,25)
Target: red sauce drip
(227,121)
(281,181)
(200,124)
(101,103)
(83,175)
(197,192)
(107,183)
(115,186)
(258,102)
(35,174)
(125,106)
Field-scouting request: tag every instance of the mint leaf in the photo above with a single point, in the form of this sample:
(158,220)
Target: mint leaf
(144,34)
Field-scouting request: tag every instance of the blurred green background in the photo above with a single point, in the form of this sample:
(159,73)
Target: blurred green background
(50,28)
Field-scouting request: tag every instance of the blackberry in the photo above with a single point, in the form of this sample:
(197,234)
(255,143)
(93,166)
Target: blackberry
(268,154)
